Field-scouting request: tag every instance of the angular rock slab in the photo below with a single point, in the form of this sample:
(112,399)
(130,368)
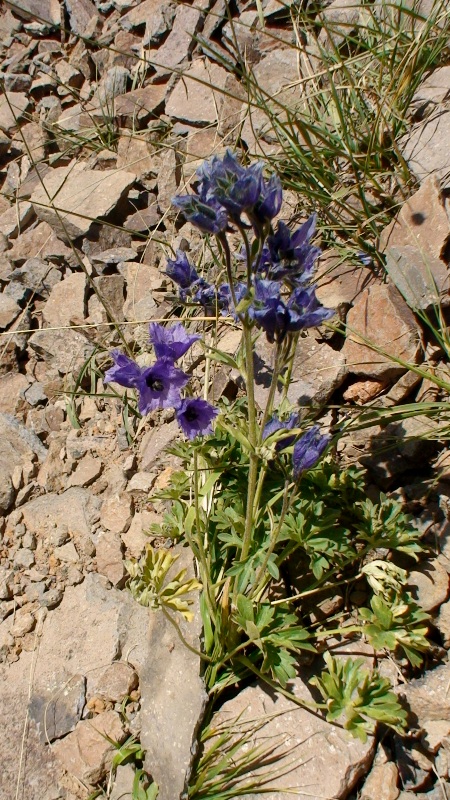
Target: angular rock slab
(380,317)
(425,148)
(428,697)
(313,758)
(414,244)
(13,106)
(91,627)
(173,697)
(317,371)
(73,198)
(193,98)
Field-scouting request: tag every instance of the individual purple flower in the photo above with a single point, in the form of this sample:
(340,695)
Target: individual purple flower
(171,343)
(235,187)
(291,257)
(365,258)
(270,199)
(159,386)
(269,311)
(275,425)
(305,310)
(124,372)
(207,215)
(181,271)
(308,450)
(225,299)
(195,417)
(204,293)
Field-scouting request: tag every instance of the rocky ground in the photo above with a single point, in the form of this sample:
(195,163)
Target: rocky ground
(97,133)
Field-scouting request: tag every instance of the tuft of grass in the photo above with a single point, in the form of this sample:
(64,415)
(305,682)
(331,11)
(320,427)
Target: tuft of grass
(337,143)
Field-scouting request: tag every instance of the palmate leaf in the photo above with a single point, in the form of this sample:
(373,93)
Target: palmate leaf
(275,634)
(149,586)
(385,524)
(399,625)
(362,697)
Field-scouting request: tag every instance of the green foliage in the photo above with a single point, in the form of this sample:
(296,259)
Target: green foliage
(276,635)
(362,697)
(384,524)
(148,584)
(142,788)
(397,624)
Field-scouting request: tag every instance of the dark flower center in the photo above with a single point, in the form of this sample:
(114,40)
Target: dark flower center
(191,414)
(155,384)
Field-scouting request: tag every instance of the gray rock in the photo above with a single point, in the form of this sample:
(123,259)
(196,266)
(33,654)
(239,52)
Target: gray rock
(40,241)
(428,697)
(73,197)
(313,757)
(18,445)
(156,15)
(339,19)
(80,14)
(37,275)
(116,682)
(35,394)
(109,557)
(67,301)
(60,715)
(87,752)
(135,108)
(113,83)
(380,317)
(424,148)
(193,98)
(123,783)
(47,512)
(173,698)
(15,219)
(317,371)
(13,106)
(9,310)
(414,244)
(432,91)
(24,559)
(180,41)
(67,350)
(429,584)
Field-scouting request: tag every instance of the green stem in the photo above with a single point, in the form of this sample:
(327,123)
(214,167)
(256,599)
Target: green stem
(273,386)
(252,435)
(293,339)
(313,707)
(201,550)
(201,655)
(260,578)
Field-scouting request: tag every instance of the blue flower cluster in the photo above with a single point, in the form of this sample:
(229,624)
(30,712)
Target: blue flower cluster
(160,386)
(279,296)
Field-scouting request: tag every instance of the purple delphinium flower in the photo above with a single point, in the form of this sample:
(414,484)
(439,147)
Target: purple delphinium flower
(207,215)
(225,299)
(305,310)
(159,386)
(276,424)
(268,310)
(365,258)
(308,450)
(195,417)
(181,271)
(270,199)
(124,372)
(291,256)
(235,187)
(171,343)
